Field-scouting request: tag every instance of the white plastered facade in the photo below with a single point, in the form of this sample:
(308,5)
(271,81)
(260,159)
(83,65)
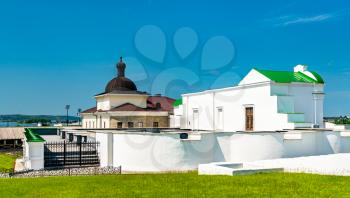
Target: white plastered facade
(276,106)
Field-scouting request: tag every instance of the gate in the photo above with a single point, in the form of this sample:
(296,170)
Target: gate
(71,154)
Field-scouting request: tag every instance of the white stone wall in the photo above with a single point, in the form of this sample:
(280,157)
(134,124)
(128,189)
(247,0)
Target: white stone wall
(33,155)
(166,152)
(102,138)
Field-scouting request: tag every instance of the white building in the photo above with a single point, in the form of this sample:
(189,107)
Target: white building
(121,105)
(263,101)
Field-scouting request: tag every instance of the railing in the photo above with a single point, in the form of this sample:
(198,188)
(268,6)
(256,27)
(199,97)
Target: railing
(71,154)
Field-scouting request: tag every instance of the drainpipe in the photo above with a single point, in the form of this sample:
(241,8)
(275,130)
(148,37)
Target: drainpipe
(316,95)
(214,128)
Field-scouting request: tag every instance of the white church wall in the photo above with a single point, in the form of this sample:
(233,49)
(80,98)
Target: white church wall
(253,77)
(89,121)
(103,103)
(233,102)
(203,104)
(175,120)
(271,104)
(303,101)
(103,121)
(106,102)
(279,90)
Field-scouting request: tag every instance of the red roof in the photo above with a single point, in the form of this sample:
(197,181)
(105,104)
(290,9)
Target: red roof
(165,103)
(91,110)
(131,107)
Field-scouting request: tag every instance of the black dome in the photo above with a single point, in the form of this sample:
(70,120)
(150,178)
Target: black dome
(120,83)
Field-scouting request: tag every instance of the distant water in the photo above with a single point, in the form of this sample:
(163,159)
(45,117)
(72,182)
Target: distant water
(15,124)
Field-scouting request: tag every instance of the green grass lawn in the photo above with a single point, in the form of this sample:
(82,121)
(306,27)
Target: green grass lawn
(7,161)
(179,185)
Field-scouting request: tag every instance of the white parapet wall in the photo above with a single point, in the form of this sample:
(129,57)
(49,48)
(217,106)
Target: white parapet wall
(157,152)
(34,155)
(332,164)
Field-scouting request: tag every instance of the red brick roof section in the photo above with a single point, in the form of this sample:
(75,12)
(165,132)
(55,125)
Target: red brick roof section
(128,107)
(91,110)
(166,103)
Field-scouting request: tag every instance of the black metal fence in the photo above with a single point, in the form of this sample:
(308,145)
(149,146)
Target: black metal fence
(71,154)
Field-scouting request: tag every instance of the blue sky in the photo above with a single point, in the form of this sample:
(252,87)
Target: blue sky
(54,53)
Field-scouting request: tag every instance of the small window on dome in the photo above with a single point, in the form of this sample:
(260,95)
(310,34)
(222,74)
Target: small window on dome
(158,105)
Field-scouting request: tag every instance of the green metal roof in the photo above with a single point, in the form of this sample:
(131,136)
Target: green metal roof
(177,102)
(318,77)
(32,137)
(289,77)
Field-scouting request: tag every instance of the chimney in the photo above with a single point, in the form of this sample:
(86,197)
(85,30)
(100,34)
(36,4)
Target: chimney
(300,68)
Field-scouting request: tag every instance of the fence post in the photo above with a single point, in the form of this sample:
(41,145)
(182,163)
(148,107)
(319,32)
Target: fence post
(64,152)
(80,153)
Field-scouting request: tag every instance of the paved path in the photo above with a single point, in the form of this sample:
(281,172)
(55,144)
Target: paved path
(333,164)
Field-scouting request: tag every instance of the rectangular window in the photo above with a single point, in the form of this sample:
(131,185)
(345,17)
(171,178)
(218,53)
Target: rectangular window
(140,124)
(104,124)
(130,125)
(119,125)
(155,125)
(249,118)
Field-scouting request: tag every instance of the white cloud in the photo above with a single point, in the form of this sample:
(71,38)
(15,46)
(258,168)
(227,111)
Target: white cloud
(310,19)
(286,20)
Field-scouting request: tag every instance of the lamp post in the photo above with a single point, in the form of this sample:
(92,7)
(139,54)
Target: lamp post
(67,109)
